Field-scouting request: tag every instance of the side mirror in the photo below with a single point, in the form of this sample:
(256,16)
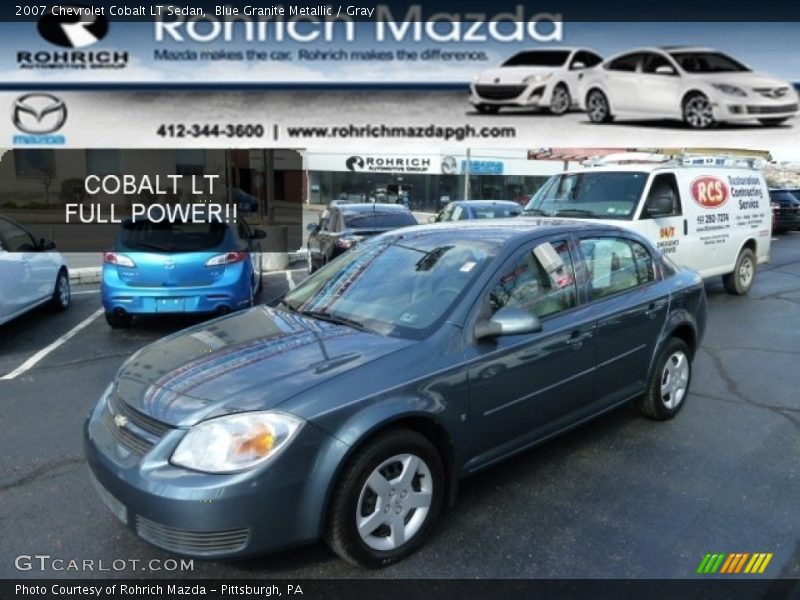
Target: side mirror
(660,206)
(46,245)
(259,234)
(508,321)
(312,227)
(665,70)
(578,65)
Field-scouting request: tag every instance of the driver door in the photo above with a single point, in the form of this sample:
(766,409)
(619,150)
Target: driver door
(524,386)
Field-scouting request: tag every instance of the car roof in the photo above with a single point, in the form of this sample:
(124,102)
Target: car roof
(369,207)
(486,202)
(662,50)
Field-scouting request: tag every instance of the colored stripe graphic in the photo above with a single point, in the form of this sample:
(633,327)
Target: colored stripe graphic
(734,563)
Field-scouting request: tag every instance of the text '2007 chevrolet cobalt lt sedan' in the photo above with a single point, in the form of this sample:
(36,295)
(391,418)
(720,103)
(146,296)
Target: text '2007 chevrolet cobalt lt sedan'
(350,412)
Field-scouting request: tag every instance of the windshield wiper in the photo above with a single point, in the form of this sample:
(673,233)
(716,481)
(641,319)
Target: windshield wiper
(535,211)
(339,320)
(574,211)
(283,302)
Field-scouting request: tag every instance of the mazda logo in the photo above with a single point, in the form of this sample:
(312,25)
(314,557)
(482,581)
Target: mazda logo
(449,165)
(39,114)
(355,163)
(73,31)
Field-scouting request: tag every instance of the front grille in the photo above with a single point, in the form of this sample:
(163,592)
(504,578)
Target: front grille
(118,416)
(499,92)
(771,110)
(768,92)
(205,543)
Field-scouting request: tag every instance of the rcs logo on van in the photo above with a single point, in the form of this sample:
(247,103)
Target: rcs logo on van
(710,192)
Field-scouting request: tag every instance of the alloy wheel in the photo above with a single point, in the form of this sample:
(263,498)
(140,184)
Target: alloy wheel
(597,107)
(674,380)
(698,112)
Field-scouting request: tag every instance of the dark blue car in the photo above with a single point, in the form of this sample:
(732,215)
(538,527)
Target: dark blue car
(350,412)
(467,210)
(162,268)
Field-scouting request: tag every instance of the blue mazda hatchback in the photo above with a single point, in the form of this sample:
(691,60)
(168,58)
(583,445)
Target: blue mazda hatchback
(158,268)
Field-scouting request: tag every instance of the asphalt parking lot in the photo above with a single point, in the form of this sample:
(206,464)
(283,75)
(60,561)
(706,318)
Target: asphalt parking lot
(622,497)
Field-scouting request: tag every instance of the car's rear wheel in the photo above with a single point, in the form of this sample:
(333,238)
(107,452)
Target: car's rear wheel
(598,108)
(698,112)
(773,122)
(560,101)
(741,279)
(119,319)
(487,109)
(669,383)
(387,500)
(62,295)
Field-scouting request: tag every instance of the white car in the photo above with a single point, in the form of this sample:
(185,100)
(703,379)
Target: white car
(534,78)
(31,273)
(700,86)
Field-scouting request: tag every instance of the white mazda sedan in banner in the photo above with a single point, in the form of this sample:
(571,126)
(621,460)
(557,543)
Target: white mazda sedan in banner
(546,79)
(700,86)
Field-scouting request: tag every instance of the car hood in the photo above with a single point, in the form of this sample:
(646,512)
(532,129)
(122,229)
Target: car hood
(512,75)
(254,360)
(745,79)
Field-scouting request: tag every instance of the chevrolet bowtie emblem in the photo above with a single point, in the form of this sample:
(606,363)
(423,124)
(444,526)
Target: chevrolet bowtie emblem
(120,421)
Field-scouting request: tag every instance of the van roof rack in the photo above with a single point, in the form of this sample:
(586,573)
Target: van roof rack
(685,157)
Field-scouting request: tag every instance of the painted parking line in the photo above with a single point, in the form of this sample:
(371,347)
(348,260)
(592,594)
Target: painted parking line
(34,360)
(82,292)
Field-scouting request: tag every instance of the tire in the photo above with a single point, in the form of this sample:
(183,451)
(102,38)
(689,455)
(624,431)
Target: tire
(741,279)
(560,101)
(62,294)
(385,461)
(773,122)
(669,384)
(698,112)
(598,108)
(487,109)
(119,321)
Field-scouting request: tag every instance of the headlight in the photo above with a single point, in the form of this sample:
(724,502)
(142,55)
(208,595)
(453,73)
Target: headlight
(537,78)
(235,442)
(731,90)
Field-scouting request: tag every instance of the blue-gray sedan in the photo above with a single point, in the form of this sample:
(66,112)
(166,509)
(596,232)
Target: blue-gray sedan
(349,412)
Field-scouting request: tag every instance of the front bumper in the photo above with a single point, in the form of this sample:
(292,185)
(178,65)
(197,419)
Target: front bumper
(533,95)
(786,220)
(728,108)
(231,292)
(203,515)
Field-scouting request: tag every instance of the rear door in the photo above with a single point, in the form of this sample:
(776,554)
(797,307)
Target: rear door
(632,304)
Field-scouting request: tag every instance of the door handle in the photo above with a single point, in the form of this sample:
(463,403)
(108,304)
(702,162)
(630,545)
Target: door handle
(577,338)
(654,308)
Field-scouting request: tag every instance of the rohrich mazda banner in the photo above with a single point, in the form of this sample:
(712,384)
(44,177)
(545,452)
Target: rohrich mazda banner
(404,299)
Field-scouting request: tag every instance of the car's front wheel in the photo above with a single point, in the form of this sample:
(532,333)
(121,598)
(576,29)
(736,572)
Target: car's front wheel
(387,500)
(698,112)
(598,108)
(560,100)
(62,295)
(669,383)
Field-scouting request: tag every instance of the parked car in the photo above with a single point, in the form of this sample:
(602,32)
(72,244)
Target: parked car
(158,268)
(700,86)
(534,78)
(351,412)
(707,212)
(345,225)
(464,210)
(785,204)
(31,273)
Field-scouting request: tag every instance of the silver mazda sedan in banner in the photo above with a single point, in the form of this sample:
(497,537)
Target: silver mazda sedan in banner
(351,411)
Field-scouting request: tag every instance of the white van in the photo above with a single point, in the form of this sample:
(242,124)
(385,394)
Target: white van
(708,213)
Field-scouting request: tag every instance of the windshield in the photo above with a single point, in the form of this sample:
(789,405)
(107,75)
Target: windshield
(172,237)
(594,195)
(707,62)
(399,287)
(541,58)
(496,212)
(377,220)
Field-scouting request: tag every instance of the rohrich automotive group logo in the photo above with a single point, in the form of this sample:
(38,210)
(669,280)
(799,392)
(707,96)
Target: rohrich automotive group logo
(38,116)
(73,31)
(355,163)
(389,164)
(73,27)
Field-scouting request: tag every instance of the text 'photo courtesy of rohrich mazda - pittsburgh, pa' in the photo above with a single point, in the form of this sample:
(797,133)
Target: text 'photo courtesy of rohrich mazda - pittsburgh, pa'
(699,86)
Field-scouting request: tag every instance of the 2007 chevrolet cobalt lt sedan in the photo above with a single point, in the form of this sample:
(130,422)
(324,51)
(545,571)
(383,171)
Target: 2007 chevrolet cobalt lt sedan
(350,411)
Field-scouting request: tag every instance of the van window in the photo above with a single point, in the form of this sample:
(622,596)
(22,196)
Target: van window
(615,265)
(664,184)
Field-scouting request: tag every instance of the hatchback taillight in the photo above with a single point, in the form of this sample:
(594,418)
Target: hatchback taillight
(113,258)
(226,259)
